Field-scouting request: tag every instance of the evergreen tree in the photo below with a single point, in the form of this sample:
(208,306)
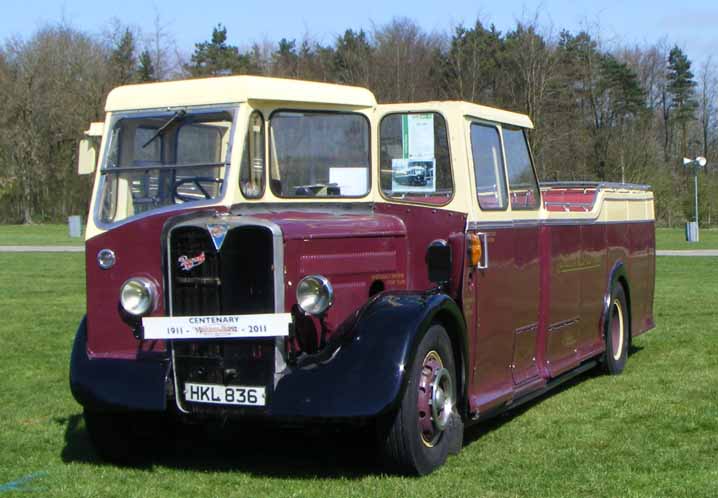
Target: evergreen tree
(146,69)
(285,58)
(471,67)
(681,89)
(352,58)
(216,57)
(123,60)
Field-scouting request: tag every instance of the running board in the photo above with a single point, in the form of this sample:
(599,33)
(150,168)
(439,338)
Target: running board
(561,379)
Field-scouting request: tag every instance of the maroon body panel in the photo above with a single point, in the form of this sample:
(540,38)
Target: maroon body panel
(537,311)
(491,332)
(138,248)
(533,314)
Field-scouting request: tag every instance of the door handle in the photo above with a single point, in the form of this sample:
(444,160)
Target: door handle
(484,259)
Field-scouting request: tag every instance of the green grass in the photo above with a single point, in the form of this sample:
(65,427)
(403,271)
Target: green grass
(37,235)
(675,239)
(652,431)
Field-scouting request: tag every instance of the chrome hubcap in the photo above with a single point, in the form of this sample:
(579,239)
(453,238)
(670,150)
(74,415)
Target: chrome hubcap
(436,399)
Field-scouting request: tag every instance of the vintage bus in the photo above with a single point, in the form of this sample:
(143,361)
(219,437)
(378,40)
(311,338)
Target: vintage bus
(293,251)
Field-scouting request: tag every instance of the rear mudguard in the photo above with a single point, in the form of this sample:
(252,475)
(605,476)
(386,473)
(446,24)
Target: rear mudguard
(367,374)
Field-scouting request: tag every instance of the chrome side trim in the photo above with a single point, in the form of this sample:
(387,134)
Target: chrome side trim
(280,365)
(496,225)
(595,185)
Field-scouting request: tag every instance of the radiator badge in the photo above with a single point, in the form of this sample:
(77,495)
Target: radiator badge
(218,231)
(187,263)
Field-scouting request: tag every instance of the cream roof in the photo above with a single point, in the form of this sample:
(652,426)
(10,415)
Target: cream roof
(464,108)
(231,89)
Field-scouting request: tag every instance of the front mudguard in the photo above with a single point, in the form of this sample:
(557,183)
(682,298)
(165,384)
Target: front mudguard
(363,374)
(116,385)
(366,375)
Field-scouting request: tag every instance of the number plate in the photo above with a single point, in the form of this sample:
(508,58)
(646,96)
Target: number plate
(225,395)
(217,326)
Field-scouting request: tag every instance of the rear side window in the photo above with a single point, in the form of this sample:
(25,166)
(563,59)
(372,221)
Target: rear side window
(414,161)
(488,167)
(522,180)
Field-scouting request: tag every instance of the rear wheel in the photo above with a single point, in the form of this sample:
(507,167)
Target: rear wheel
(127,438)
(617,330)
(420,435)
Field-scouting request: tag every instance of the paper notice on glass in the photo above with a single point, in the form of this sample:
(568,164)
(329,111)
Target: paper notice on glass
(413,175)
(351,181)
(419,136)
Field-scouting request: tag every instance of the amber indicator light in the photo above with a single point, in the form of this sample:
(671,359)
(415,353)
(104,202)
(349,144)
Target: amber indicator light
(474,247)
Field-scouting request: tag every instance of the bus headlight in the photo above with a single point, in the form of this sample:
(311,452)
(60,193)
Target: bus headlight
(314,294)
(138,296)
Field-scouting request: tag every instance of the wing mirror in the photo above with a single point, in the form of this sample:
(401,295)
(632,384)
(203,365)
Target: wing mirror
(87,154)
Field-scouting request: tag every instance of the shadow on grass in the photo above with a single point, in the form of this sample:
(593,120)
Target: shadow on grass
(256,449)
(476,431)
(261,449)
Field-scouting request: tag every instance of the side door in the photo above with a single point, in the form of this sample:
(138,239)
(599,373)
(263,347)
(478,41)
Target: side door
(525,203)
(488,288)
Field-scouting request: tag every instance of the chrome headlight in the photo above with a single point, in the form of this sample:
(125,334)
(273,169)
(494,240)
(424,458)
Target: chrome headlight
(314,294)
(138,296)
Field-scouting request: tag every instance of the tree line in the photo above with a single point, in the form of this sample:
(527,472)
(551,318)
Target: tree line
(602,113)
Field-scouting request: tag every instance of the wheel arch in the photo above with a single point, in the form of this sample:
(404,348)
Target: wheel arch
(618,276)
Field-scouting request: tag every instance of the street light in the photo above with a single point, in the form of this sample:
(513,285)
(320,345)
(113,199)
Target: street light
(696,164)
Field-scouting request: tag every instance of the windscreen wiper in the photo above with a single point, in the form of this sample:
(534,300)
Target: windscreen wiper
(177,116)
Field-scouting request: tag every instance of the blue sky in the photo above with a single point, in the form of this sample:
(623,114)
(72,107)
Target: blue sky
(692,24)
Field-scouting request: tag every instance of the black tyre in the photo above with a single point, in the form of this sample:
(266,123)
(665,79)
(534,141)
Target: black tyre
(128,438)
(617,331)
(421,433)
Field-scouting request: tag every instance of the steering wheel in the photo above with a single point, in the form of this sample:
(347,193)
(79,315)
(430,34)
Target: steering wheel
(197,181)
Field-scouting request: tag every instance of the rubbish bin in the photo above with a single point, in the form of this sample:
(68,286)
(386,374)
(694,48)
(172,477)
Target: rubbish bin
(75,224)
(692,231)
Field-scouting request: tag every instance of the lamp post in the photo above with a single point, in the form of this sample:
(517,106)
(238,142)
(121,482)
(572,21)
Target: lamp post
(696,164)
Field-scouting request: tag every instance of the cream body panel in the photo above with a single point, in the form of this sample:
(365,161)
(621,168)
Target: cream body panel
(233,89)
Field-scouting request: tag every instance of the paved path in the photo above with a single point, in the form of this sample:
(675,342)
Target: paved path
(42,248)
(689,252)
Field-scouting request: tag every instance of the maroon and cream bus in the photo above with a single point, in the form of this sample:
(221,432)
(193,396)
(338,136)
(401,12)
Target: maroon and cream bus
(292,251)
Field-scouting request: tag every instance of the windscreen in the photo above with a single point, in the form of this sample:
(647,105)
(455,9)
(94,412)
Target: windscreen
(156,160)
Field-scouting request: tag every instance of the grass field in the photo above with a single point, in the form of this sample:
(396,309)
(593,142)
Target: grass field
(652,431)
(666,238)
(41,235)
(675,238)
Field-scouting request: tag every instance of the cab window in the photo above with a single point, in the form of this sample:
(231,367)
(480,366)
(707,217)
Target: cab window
(488,167)
(523,186)
(251,169)
(414,161)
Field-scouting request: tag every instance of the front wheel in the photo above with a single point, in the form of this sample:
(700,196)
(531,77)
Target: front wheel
(420,435)
(617,330)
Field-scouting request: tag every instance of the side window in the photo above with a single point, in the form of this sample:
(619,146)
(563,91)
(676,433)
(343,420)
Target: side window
(414,162)
(522,181)
(488,167)
(251,170)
